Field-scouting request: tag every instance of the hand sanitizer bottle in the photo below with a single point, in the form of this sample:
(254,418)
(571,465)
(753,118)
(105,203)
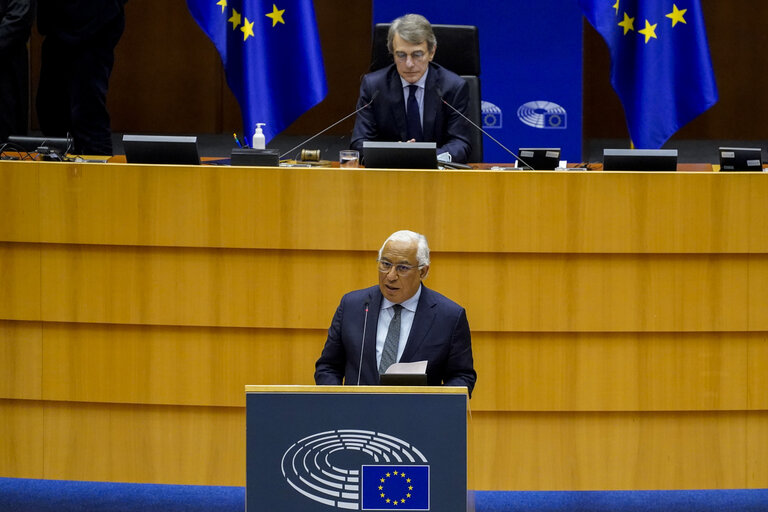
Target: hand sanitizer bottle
(258,141)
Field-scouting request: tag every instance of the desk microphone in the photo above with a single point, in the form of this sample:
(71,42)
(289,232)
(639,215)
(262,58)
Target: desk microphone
(365,322)
(440,95)
(373,97)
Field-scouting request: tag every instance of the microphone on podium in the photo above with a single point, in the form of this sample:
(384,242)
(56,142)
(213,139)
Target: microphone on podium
(440,95)
(365,324)
(373,97)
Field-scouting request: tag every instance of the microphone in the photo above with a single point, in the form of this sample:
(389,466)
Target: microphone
(373,97)
(365,324)
(440,95)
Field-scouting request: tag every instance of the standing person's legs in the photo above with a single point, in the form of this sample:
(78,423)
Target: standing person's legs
(53,111)
(93,64)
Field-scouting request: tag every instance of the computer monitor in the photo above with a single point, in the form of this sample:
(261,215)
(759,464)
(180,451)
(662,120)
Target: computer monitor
(400,155)
(741,159)
(32,144)
(654,160)
(161,149)
(544,159)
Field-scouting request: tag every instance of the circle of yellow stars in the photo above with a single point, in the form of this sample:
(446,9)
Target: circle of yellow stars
(649,31)
(246,27)
(397,501)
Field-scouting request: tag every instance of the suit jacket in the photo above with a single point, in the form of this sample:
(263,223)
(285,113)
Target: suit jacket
(385,120)
(439,335)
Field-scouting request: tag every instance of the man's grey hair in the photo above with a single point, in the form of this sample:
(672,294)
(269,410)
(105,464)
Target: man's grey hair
(413,28)
(422,248)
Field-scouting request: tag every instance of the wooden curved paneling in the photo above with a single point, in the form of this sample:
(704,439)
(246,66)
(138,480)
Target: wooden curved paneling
(618,318)
(352,210)
(503,292)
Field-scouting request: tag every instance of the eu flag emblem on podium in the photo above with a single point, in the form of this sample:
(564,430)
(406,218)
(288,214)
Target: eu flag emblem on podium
(271,55)
(395,488)
(660,63)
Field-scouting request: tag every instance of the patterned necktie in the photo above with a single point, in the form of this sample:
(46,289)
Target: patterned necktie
(389,353)
(412,113)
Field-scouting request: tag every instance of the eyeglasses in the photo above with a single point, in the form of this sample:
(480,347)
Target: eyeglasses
(416,56)
(401,268)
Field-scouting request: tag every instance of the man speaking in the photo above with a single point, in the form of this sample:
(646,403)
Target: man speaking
(400,320)
(408,106)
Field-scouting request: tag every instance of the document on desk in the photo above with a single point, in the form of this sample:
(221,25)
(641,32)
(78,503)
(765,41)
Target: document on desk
(414,368)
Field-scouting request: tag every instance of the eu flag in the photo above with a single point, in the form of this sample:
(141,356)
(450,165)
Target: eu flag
(395,488)
(271,55)
(660,63)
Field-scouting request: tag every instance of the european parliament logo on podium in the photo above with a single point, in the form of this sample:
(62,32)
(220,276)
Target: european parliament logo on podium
(326,448)
(358,469)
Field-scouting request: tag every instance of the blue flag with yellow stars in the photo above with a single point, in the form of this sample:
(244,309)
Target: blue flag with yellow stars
(271,55)
(660,63)
(395,488)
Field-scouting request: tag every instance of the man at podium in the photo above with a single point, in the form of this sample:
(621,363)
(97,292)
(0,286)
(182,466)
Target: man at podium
(400,320)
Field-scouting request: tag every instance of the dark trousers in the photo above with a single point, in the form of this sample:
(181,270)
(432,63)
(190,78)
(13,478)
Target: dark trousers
(14,92)
(72,95)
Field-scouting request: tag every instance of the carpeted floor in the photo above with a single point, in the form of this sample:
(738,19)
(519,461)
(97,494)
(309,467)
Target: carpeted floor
(32,495)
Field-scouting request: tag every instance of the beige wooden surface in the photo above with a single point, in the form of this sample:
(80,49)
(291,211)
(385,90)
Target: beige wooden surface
(619,321)
(473,211)
(268,288)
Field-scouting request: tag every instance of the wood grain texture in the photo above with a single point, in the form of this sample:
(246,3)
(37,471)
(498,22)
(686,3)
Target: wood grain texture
(618,318)
(21,360)
(19,201)
(22,431)
(518,371)
(603,451)
(20,291)
(140,443)
(474,211)
(520,292)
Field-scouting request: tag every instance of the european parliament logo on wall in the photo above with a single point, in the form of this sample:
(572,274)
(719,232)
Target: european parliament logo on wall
(358,470)
(543,114)
(491,115)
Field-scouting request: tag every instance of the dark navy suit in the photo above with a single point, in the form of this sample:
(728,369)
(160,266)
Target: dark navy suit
(384,119)
(439,335)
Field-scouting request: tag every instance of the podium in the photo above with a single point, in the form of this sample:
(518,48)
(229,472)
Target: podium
(325,448)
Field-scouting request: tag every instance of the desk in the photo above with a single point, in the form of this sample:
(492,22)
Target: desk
(618,319)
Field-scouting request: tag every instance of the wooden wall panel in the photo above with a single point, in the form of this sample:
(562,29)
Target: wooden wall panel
(21,434)
(172,365)
(757,370)
(617,318)
(518,372)
(19,281)
(19,203)
(145,443)
(612,372)
(252,288)
(21,357)
(461,211)
(757,452)
(549,451)
(603,451)
(758,293)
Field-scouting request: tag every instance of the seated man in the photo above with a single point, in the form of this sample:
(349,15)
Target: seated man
(403,321)
(408,106)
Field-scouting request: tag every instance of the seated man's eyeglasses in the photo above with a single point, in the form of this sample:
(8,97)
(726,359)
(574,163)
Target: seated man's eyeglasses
(401,268)
(415,56)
